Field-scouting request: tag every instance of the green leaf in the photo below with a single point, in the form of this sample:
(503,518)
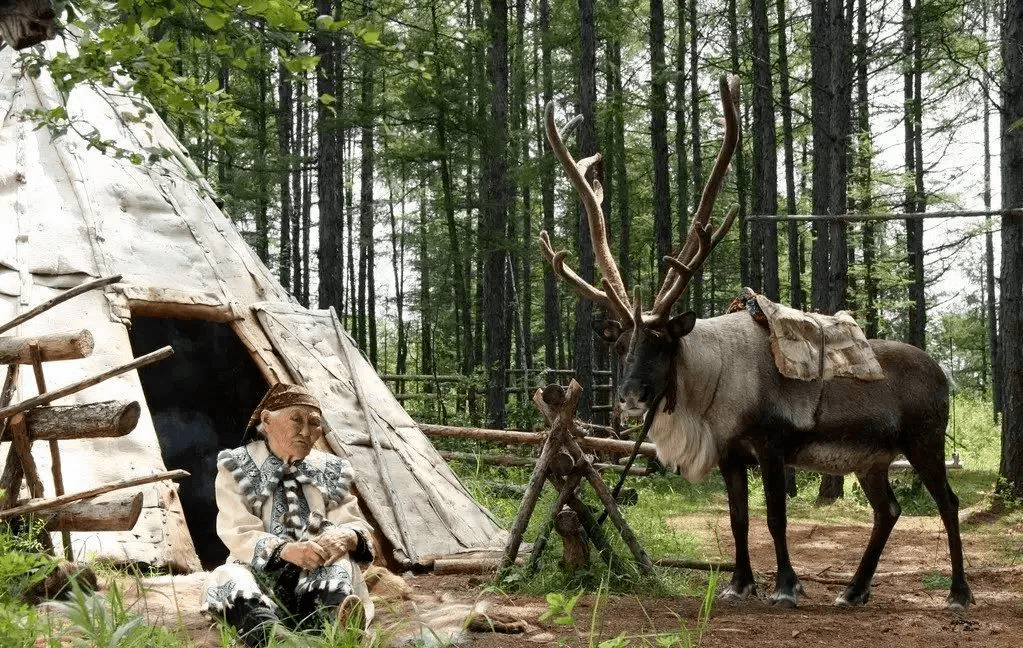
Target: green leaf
(214,20)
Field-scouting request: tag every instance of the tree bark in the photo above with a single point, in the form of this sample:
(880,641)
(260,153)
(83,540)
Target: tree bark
(584,338)
(914,201)
(765,156)
(284,163)
(696,298)
(330,169)
(367,206)
(551,316)
(796,297)
(1011,313)
(659,136)
(494,221)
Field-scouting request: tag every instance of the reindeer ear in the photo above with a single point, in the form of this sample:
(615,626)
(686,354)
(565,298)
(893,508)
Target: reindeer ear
(608,330)
(681,325)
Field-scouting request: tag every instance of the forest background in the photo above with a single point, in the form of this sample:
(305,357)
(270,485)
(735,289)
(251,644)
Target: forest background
(386,158)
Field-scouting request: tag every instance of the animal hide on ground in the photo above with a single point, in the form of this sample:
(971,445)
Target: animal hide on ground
(811,346)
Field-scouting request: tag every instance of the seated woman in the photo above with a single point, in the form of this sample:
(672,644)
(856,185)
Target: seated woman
(292,524)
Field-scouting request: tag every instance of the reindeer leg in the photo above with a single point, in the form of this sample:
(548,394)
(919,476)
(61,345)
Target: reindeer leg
(886,513)
(737,486)
(931,469)
(787,586)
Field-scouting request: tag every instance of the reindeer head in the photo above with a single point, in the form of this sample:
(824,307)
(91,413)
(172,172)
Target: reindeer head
(646,342)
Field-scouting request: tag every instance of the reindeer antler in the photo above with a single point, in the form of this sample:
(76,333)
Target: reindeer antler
(702,237)
(591,193)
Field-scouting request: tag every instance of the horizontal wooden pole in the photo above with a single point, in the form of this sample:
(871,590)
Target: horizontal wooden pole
(62,297)
(686,563)
(92,421)
(117,512)
(469,565)
(68,345)
(595,444)
(512,460)
(43,399)
(45,504)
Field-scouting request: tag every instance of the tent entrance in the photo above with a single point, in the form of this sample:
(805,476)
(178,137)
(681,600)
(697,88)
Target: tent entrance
(200,399)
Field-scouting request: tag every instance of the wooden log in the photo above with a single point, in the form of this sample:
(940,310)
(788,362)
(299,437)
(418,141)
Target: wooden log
(468,565)
(92,421)
(23,447)
(563,462)
(55,502)
(536,480)
(63,297)
(604,493)
(514,460)
(10,481)
(593,444)
(686,563)
(117,512)
(575,549)
(68,345)
(36,353)
(43,399)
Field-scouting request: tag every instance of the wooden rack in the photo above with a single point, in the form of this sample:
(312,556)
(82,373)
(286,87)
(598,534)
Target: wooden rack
(34,419)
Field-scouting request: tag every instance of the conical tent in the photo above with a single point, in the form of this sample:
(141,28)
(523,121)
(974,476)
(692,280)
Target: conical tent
(71,213)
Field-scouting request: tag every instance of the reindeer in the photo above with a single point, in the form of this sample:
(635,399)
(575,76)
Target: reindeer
(713,397)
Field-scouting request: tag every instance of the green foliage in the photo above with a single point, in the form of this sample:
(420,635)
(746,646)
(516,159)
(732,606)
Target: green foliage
(23,561)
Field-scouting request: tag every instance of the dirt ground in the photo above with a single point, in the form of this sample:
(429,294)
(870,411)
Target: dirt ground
(906,607)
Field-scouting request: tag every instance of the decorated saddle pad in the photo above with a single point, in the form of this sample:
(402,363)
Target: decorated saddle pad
(811,346)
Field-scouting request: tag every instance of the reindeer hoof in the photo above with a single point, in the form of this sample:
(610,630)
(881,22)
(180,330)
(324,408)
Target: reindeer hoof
(784,600)
(958,602)
(735,592)
(851,598)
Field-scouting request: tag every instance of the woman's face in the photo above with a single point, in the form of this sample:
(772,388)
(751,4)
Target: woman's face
(292,431)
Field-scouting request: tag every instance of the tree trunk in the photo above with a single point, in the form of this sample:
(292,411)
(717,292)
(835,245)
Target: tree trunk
(1011,314)
(739,159)
(696,298)
(494,221)
(262,243)
(682,166)
(330,166)
(765,156)
(285,122)
(863,175)
(551,316)
(796,296)
(367,208)
(914,174)
(989,247)
(659,136)
(587,146)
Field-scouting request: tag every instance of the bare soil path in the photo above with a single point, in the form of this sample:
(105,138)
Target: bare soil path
(907,606)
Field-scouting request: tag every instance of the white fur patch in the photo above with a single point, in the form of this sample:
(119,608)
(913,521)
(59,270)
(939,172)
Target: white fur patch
(684,441)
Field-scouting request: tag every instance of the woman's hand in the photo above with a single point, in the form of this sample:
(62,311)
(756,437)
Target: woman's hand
(306,554)
(337,543)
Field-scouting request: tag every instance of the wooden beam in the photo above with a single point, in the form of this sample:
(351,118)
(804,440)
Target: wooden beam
(67,345)
(62,297)
(117,512)
(55,502)
(589,443)
(92,421)
(512,460)
(43,399)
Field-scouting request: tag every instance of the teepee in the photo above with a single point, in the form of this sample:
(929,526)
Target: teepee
(69,214)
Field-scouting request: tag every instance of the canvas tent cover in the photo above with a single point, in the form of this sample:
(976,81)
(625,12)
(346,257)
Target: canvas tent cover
(71,214)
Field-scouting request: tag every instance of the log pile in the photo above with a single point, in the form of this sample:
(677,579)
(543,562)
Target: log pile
(34,419)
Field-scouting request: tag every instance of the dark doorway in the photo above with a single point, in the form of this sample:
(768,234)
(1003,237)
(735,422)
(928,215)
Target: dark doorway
(200,399)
